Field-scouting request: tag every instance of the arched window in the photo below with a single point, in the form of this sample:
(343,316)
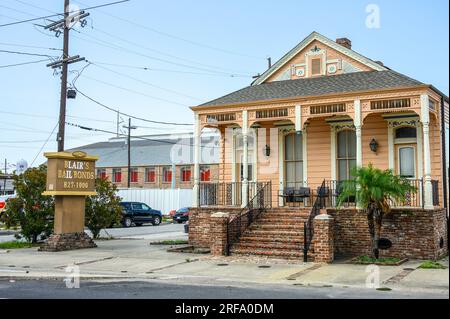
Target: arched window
(346,154)
(293,158)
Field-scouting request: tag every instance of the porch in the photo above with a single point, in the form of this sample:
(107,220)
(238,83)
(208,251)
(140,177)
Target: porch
(300,195)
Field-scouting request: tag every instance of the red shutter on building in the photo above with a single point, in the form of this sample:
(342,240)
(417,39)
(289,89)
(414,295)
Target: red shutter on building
(134,176)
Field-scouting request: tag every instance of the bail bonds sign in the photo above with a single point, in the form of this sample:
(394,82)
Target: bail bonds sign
(70,174)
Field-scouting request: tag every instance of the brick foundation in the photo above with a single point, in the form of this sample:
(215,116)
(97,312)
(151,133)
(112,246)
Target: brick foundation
(414,233)
(61,242)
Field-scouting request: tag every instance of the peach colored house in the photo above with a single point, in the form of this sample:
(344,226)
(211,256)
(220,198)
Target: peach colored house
(319,111)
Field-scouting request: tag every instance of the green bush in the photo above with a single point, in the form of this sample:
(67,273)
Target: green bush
(103,209)
(30,210)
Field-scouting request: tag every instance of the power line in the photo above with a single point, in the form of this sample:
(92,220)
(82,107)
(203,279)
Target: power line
(59,14)
(53,117)
(45,143)
(146,68)
(29,46)
(137,137)
(146,83)
(27,53)
(179,38)
(124,49)
(23,63)
(134,91)
(128,115)
(212,67)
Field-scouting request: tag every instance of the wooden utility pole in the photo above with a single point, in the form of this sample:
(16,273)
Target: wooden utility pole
(62,106)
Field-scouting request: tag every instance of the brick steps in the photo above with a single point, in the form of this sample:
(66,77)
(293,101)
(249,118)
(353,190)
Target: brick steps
(272,226)
(277,233)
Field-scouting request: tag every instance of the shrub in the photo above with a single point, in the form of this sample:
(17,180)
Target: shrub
(30,210)
(103,209)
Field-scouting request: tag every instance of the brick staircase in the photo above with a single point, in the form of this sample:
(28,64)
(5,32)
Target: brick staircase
(278,233)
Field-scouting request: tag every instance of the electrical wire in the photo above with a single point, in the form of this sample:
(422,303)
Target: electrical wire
(27,53)
(29,46)
(59,14)
(23,63)
(45,143)
(136,137)
(178,37)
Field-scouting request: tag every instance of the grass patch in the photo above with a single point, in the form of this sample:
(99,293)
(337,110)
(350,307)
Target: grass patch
(16,245)
(171,242)
(366,260)
(429,264)
(384,289)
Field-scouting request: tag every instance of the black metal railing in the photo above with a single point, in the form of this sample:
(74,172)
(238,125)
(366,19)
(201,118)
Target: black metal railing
(220,194)
(308,225)
(261,201)
(225,194)
(304,194)
(435,192)
(413,198)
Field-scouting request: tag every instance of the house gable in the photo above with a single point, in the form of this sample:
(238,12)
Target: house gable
(317,56)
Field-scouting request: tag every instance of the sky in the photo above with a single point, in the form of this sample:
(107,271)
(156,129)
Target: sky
(155,59)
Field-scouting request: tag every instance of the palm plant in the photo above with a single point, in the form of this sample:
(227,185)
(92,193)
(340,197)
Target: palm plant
(373,190)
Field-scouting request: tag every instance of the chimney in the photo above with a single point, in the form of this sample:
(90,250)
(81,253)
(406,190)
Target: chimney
(344,42)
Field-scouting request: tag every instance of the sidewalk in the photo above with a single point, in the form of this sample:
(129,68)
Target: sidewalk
(135,259)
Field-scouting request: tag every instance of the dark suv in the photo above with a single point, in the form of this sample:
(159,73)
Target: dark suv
(139,213)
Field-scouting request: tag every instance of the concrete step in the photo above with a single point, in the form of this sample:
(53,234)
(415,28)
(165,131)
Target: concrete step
(285,254)
(252,245)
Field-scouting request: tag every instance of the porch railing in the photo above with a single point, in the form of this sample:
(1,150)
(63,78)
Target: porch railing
(225,193)
(304,194)
(261,201)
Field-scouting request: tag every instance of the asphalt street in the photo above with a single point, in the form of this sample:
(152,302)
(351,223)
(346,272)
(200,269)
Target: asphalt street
(147,231)
(54,289)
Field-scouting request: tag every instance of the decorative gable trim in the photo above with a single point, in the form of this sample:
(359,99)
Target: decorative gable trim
(330,43)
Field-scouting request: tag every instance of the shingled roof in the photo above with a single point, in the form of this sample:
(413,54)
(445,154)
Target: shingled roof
(343,83)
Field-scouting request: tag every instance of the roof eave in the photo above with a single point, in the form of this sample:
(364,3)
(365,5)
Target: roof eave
(302,98)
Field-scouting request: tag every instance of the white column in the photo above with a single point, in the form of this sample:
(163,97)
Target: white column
(197,141)
(425,119)
(358,124)
(391,148)
(281,165)
(305,154)
(333,152)
(298,118)
(245,158)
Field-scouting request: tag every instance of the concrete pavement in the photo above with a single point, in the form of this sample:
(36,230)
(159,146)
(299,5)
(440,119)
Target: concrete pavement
(135,259)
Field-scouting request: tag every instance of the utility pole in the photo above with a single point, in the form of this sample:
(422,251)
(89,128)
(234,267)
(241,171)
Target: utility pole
(129,127)
(118,115)
(70,18)
(62,105)
(6,173)
(129,152)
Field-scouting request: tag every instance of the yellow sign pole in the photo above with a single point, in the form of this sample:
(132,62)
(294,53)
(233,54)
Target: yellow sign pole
(70,178)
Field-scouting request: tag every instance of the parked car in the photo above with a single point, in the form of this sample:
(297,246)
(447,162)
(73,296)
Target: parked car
(139,213)
(181,215)
(3,202)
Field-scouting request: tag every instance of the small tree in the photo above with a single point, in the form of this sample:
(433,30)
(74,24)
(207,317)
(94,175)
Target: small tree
(30,210)
(103,209)
(374,189)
